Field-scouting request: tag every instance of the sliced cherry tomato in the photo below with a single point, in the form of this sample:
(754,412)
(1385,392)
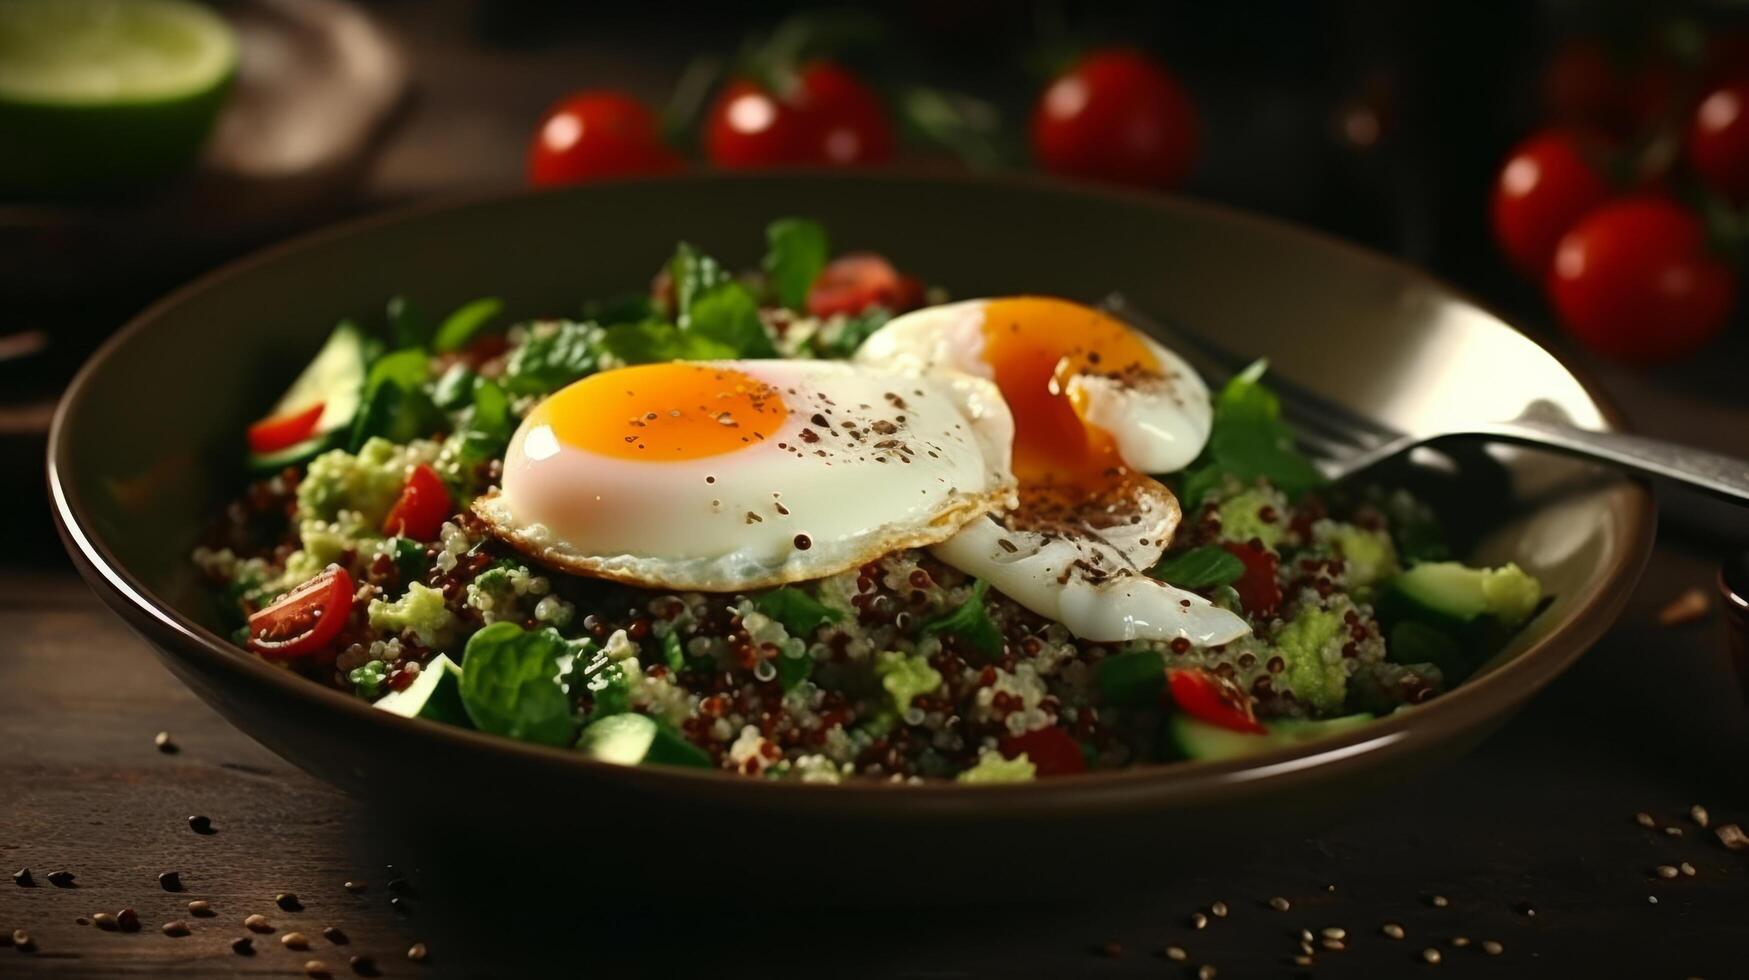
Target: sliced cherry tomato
(1210,697)
(422,508)
(1546,185)
(1053,750)
(1259,591)
(284,431)
(1634,280)
(1718,140)
(595,134)
(305,620)
(1117,115)
(827,117)
(853,283)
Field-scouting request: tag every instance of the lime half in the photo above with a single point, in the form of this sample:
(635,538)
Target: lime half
(101,94)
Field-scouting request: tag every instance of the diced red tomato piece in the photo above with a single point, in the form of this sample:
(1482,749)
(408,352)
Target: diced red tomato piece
(305,620)
(270,435)
(853,283)
(1258,589)
(1053,750)
(1209,697)
(422,508)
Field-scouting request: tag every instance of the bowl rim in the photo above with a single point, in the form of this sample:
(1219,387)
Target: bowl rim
(1467,706)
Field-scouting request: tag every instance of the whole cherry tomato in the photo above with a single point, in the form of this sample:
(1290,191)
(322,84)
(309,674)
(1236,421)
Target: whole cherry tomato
(595,134)
(1634,280)
(1718,140)
(1546,185)
(1052,750)
(306,619)
(1117,115)
(852,283)
(826,117)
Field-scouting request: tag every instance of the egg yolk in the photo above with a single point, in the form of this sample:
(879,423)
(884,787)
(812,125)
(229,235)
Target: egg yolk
(662,412)
(1034,346)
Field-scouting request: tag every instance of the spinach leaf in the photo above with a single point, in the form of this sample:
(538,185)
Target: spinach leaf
(1134,678)
(655,341)
(1198,483)
(1250,441)
(553,357)
(510,684)
(1200,568)
(796,251)
(800,613)
(395,405)
(408,324)
(793,670)
(455,388)
(485,427)
(629,308)
(971,622)
(459,328)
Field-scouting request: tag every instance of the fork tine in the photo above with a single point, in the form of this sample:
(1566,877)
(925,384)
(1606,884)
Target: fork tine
(1336,429)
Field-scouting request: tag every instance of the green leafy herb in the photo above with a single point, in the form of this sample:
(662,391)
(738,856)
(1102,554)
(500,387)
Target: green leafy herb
(409,556)
(796,251)
(1134,678)
(711,305)
(1250,441)
(627,308)
(1200,568)
(971,622)
(553,357)
(672,653)
(1198,483)
(800,613)
(793,670)
(510,684)
(656,341)
(408,324)
(455,388)
(610,689)
(459,328)
(395,405)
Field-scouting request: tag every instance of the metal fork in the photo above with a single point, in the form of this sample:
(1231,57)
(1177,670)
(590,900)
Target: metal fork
(1343,442)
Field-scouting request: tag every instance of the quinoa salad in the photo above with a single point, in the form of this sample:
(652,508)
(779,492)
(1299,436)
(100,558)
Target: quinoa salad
(473,520)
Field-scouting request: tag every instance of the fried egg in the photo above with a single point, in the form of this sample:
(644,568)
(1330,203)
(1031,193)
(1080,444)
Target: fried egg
(1096,407)
(721,476)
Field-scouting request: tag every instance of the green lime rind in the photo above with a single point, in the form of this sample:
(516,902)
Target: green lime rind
(101,95)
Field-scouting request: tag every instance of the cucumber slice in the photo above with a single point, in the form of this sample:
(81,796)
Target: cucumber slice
(630,739)
(102,93)
(1201,740)
(335,377)
(1446,590)
(435,694)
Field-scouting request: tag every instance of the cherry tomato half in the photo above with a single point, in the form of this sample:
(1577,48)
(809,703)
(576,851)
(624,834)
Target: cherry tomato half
(423,506)
(1546,185)
(306,619)
(1634,280)
(1052,750)
(595,134)
(1117,115)
(1210,697)
(270,435)
(1259,592)
(852,283)
(827,118)
(1718,140)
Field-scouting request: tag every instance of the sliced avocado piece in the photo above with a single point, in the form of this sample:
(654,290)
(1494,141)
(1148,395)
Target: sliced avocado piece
(334,377)
(1196,739)
(629,739)
(435,694)
(1450,591)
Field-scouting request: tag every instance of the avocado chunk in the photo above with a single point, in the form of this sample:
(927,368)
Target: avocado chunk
(1195,739)
(1446,589)
(435,694)
(629,739)
(335,378)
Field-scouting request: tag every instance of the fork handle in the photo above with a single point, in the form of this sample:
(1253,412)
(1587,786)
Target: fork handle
(1715,473)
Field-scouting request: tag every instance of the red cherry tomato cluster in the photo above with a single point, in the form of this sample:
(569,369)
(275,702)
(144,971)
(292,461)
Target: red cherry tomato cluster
(595,134)
(1597,210)
(825,117)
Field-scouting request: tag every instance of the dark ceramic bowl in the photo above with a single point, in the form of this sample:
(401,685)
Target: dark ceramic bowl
(145,447)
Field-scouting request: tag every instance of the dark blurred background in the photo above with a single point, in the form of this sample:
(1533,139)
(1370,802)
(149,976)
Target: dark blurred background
(1382,123)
